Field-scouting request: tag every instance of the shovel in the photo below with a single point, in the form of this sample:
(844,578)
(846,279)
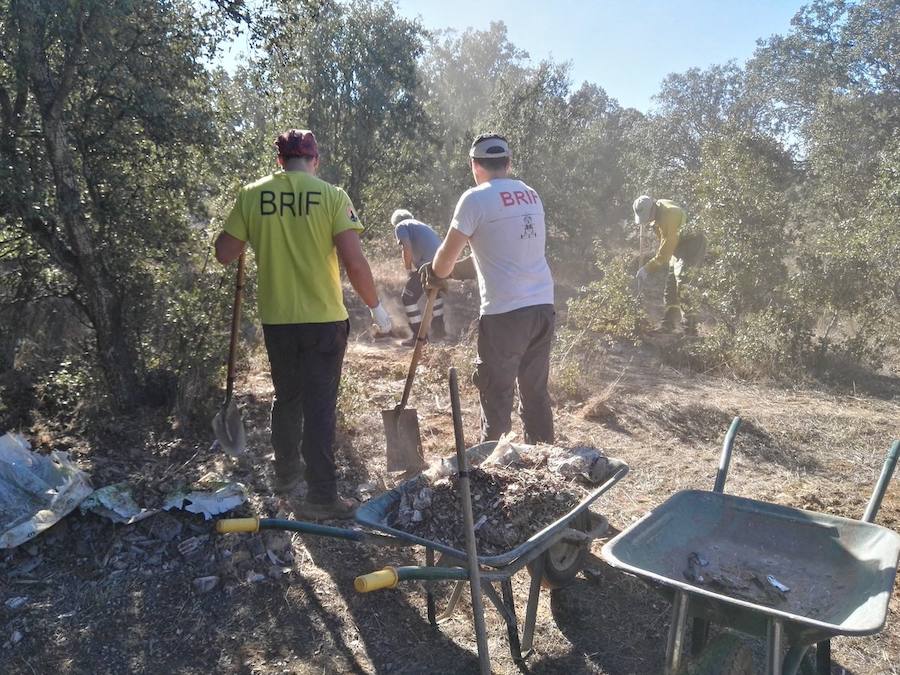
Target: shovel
(401,424)
(227,424)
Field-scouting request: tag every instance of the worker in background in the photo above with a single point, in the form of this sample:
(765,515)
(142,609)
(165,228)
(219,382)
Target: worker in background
(418,243)
(298,226)
(502,221)
(678,252)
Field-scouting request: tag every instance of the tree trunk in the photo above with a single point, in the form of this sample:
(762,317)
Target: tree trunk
(72,245)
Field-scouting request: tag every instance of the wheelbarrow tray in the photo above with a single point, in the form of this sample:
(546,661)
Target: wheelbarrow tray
(840,571)
(374,514)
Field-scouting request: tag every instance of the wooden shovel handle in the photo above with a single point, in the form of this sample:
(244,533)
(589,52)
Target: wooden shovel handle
(421,336)
(235,321)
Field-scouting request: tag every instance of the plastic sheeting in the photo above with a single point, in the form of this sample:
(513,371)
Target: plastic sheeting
(36,490)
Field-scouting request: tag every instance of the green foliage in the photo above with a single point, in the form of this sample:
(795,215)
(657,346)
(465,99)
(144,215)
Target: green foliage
(121,149)
(608,306)
(742,187)
(62,389)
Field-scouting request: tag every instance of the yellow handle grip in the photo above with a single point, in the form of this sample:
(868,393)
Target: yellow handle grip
(237,525)
(375,581)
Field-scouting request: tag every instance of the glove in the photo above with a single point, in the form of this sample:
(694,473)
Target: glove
(430,280)
(642,276)
(381,318)
(640,280)
(464,269)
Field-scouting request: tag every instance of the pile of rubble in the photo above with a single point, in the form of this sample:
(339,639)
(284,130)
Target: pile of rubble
(516,492)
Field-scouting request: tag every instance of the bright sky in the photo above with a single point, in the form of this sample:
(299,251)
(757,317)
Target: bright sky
(625,46)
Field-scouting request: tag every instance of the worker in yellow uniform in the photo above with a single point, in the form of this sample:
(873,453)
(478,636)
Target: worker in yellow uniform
(298,226)
(678,252)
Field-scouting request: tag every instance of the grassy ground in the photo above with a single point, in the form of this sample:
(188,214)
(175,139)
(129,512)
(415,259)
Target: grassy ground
(115,599)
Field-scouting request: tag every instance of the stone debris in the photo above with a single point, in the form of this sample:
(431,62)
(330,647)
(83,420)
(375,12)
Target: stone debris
(516,491)
(205,584)
(17,602)
(509,506)
(190,546)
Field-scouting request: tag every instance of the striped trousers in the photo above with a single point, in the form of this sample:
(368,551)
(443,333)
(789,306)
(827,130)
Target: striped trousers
(414,304)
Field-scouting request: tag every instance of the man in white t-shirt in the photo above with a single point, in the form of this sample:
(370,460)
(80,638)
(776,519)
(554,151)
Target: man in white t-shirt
(502,221)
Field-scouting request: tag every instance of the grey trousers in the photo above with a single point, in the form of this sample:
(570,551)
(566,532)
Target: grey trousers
(689,253)
(514,349)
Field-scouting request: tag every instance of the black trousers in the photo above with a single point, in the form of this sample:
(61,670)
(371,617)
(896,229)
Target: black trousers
(514,349)
(306,361)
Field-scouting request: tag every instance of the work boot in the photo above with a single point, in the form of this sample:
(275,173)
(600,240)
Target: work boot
(689,325)
(671,318)
(339,509)
(437,332)
(288,483)
(411,342)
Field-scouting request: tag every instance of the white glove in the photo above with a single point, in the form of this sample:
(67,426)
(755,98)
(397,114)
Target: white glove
(642,276)
(640,280)
(381,318)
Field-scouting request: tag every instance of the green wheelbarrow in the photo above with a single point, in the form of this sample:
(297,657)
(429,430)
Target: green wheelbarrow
(794,577)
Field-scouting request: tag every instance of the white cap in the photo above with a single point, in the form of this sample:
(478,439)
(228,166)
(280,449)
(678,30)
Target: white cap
(399,216)
(643,207)
(489,145)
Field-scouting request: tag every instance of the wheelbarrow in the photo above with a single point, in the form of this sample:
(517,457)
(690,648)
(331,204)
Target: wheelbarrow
(793,577)
(553,556)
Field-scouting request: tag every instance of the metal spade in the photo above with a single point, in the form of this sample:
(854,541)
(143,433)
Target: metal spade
(227,424)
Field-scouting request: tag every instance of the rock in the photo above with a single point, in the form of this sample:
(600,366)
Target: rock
(276,542)
(253,577)
(164,526)
(423,499)
(18,601)
(256,547)
(205,584)
(188,547)
(16,637)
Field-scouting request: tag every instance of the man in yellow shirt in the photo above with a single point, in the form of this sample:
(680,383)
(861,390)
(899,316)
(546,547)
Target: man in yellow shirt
(677,253)
(298,226)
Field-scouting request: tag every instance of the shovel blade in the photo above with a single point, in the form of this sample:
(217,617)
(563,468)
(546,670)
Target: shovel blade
(229,429)
(404,442)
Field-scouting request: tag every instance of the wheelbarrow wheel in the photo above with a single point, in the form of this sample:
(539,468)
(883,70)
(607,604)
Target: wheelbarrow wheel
(564,560)
(728,654)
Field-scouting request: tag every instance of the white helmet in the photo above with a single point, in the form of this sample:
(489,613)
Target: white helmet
(399,216)
(643,208)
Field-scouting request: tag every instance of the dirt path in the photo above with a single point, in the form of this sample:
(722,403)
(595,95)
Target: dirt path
(114,599)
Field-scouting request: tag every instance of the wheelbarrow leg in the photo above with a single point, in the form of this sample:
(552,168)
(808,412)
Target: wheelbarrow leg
(823,657)
(774,643)
(507,608)
(534,594)
(458,589)
(429,589)
(675,643)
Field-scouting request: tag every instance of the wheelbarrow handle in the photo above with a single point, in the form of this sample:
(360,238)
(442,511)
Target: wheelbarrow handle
(390,577)
(725,457)
(887,470)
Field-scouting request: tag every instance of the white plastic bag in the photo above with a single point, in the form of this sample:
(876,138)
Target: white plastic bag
(36,490)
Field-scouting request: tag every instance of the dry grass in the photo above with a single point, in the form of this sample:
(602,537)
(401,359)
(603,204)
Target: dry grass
(800,447)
